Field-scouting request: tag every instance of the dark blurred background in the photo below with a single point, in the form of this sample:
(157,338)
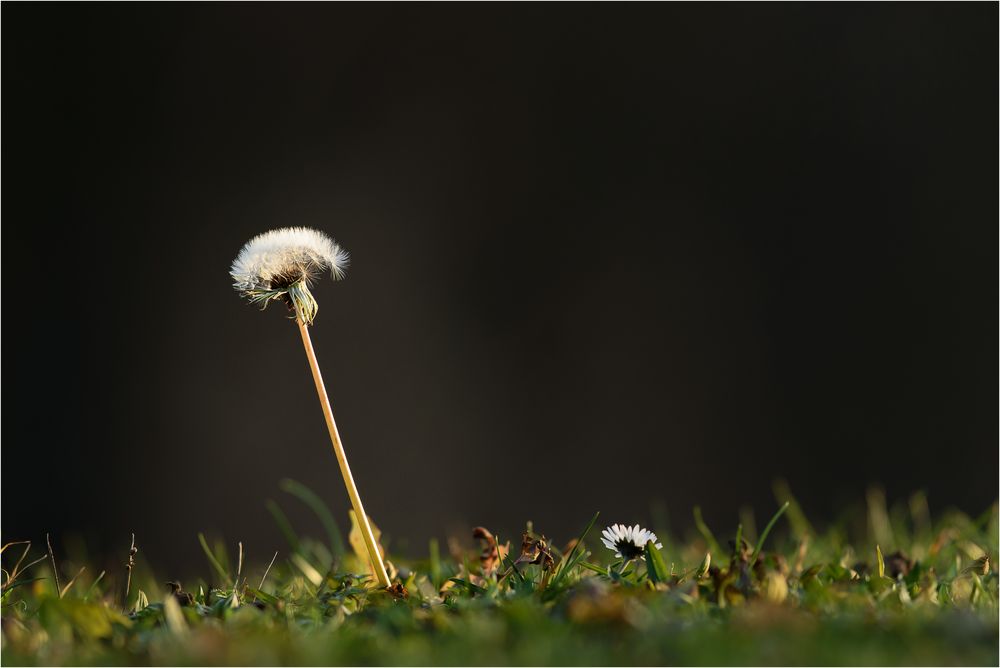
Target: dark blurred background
(627,258)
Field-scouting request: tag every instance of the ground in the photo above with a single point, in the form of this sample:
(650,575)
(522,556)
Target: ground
(791,595)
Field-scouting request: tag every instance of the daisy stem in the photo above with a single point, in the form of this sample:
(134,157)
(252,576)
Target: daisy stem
(338,448)
(625,563)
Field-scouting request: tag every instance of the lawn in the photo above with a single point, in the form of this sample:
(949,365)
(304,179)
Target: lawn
(907,589)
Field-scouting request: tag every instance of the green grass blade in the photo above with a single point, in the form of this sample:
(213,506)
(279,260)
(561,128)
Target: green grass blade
(593,567)
(507,563)
(767,530)
(568,562)
(706,533)
(655,567)
(435,562)
(212,560)
(472,588)
(797,518)
(20,581)
(93,584)
(320,509)
(283,524)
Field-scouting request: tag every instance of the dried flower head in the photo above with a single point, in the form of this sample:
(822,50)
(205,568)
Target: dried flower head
(281,264)
(628,542)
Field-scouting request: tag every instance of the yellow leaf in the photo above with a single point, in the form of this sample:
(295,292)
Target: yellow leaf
(357,541)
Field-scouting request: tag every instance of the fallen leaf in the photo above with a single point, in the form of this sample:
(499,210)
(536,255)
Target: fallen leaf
(492,554)
(357,541)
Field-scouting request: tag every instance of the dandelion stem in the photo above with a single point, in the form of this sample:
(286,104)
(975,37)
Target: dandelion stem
(345,469)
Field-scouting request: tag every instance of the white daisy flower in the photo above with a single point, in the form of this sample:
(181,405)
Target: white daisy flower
(281,264)
(628,542)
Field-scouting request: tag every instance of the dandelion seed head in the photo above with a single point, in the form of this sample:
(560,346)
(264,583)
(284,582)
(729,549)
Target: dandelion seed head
(628,542)
(281,257)
(281,265)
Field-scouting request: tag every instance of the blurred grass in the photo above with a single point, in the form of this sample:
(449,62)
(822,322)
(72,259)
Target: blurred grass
(905,590)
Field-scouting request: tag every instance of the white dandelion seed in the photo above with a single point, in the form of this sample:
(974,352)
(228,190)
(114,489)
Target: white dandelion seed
(628,542)
(282,264)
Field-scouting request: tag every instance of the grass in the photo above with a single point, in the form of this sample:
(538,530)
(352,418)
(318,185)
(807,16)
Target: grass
(904,590)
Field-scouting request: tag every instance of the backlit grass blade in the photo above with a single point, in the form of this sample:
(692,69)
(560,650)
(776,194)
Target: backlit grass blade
(767,530)
(283,524)
(706,533)
(655,566)
(319,508)
(435,562)
(568,562)
(212,560)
